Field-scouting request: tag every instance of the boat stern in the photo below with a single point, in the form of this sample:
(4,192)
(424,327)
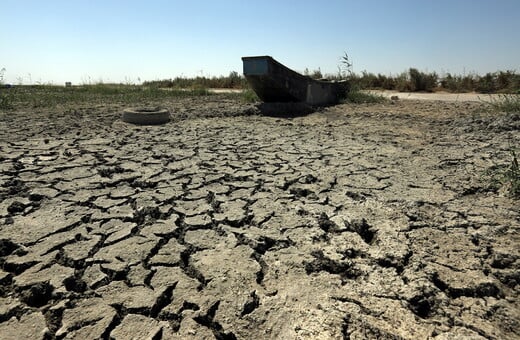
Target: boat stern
(255,66)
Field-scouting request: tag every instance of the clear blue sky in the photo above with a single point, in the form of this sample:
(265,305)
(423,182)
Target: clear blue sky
(123,41)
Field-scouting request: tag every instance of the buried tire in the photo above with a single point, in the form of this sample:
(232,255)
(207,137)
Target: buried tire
(146,116)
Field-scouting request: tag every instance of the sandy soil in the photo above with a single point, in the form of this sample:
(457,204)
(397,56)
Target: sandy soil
(439,96)
(428,96)
(353,222)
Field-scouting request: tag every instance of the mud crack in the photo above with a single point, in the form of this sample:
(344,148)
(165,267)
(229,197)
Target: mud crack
(207,320)
(345,269)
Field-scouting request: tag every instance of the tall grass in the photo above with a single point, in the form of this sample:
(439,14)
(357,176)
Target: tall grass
(415,80)
(232,81)
(412,80)
(504,82)
(5,96)
(40,96)
(356,96)
(509,106)
(6,102)
(513,176)
(506,176)
(249,96)
(509,103)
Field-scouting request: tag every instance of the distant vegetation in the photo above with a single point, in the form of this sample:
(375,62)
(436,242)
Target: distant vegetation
(232,81)
(44,96)
(415,80)
(503,82)
(412,80)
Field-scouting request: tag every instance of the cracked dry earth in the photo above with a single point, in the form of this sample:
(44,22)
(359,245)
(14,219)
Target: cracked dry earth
(352,222)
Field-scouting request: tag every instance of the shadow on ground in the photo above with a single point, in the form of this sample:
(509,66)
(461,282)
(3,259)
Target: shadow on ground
(285,110)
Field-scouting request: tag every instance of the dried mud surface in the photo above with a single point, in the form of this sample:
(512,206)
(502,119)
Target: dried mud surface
(353,222)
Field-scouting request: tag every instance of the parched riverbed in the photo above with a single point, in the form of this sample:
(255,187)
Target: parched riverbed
(352,222)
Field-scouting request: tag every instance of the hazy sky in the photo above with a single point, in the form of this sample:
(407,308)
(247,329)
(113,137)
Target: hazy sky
(54,41)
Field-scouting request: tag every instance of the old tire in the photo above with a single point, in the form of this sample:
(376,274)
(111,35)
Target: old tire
(146,116)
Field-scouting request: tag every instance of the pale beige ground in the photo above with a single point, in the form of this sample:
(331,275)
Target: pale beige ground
(439,96)
(352,222)
(433,96)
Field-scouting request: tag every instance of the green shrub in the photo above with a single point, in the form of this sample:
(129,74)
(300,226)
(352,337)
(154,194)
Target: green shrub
(459,84)
(513,176)
(420,81)
(5,99)
(357,96)
(415,80)
(509,103)
(402,83)
(5,96)
(486,84)
(505,176)
(249,96)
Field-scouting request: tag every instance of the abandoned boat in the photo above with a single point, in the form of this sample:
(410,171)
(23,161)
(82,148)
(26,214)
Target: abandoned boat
(274,82)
